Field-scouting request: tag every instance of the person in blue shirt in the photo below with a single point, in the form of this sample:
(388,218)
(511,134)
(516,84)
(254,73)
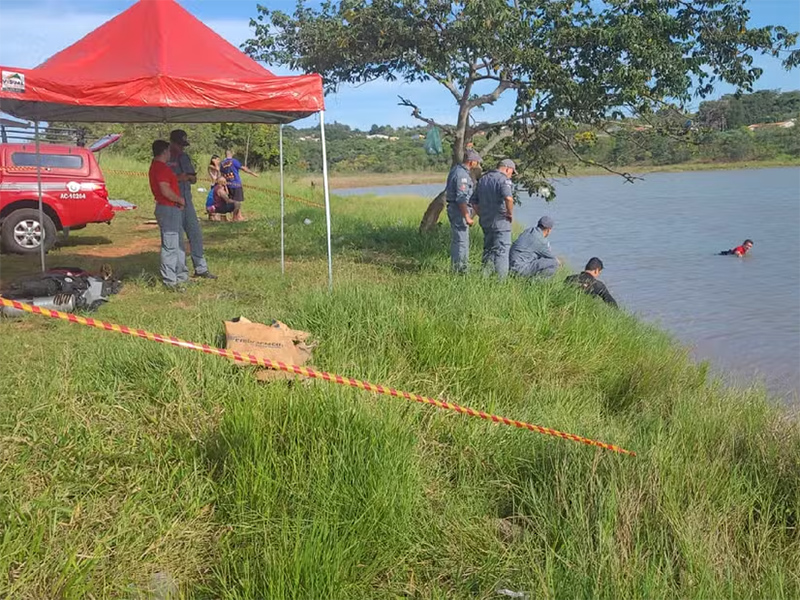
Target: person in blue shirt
(495,206)
(229,168)
(458,193)
(531,254)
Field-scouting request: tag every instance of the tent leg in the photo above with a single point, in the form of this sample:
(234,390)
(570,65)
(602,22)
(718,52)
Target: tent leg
(39,189)
(327,196)
(280,154)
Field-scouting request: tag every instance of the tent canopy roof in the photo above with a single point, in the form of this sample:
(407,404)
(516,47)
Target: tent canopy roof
(155,62)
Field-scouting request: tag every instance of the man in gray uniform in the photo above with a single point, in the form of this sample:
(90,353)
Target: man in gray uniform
(458,193)
(531,254)
(181,165)
(495,205)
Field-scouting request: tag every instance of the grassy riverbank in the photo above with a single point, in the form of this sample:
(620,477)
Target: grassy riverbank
(124,463)
(362,180)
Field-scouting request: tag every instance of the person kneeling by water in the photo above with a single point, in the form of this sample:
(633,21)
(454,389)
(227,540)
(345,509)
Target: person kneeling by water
(739,250)
(589,282)
(531,254)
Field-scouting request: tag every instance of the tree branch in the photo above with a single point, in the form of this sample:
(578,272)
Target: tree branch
(447,83)
(417,114)
(629,178)
(507,123)
(492,97)
(496,139)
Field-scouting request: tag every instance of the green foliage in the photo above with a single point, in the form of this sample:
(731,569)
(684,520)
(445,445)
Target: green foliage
(352,151)
(255,145)
(123,460)
(734,111)
(569,63)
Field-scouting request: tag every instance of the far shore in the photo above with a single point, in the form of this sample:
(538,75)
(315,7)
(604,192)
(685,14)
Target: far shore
(365,180)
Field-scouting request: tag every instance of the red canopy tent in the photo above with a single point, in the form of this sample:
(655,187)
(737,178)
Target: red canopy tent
(155,62)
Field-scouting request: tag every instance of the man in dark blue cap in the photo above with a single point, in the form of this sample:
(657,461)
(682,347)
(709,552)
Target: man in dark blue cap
(458,193)
(531,254)
(495,206)
(181,164)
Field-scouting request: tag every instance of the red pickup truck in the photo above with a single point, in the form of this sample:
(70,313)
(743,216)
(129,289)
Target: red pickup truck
(74,194)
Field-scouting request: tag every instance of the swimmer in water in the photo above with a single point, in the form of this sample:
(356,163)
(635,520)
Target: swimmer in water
(739,250)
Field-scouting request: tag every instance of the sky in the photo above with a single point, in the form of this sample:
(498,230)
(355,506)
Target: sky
(33,30)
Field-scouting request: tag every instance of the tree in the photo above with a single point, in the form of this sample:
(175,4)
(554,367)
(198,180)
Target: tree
(256,145)
(567,62)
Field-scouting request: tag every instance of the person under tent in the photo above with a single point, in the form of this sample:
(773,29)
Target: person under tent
(213,169)
(229,169)
(218,203)
(170,204)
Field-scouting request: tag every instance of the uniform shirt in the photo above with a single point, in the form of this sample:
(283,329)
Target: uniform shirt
(459,185)
(493,188)
(161,173)
(592,286)
(230,171)
(530,246)
(181,163)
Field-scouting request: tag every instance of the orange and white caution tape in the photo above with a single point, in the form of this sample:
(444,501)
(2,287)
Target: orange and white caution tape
(306,372)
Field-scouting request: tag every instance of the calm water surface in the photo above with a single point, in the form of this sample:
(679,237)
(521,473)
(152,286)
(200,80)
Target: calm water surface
(657,239)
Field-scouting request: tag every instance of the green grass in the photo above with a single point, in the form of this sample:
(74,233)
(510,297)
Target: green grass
(123,462)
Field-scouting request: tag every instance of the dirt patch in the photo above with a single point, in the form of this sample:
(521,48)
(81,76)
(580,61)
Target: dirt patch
(117,251)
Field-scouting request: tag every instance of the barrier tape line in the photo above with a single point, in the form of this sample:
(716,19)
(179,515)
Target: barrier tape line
(308,372)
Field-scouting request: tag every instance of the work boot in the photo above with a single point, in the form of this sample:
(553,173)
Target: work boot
(178,288)
(205,275)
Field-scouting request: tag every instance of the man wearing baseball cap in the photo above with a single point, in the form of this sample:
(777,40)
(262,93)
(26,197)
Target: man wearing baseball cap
(495,206)
(181,164)
(531,254)
(458,193)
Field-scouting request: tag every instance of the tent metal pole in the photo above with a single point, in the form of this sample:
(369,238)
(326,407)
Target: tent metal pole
(327,196)
(39,189)
(280,154)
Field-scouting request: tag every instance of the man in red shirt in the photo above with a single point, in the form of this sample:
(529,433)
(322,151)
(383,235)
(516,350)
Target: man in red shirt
(739,250)
(169,214)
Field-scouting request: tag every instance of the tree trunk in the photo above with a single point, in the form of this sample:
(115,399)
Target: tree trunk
(431,217)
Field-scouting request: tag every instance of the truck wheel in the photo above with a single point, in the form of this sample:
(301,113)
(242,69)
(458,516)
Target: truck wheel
(23,233)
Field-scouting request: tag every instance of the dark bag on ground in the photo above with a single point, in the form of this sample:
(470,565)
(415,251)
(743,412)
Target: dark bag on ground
(63,288)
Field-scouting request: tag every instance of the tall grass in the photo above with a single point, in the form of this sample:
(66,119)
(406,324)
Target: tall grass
(124,463)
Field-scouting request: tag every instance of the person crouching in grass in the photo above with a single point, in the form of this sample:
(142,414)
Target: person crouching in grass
(222,205)
(169,214)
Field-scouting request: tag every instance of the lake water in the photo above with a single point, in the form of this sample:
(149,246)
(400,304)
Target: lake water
(658,239)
